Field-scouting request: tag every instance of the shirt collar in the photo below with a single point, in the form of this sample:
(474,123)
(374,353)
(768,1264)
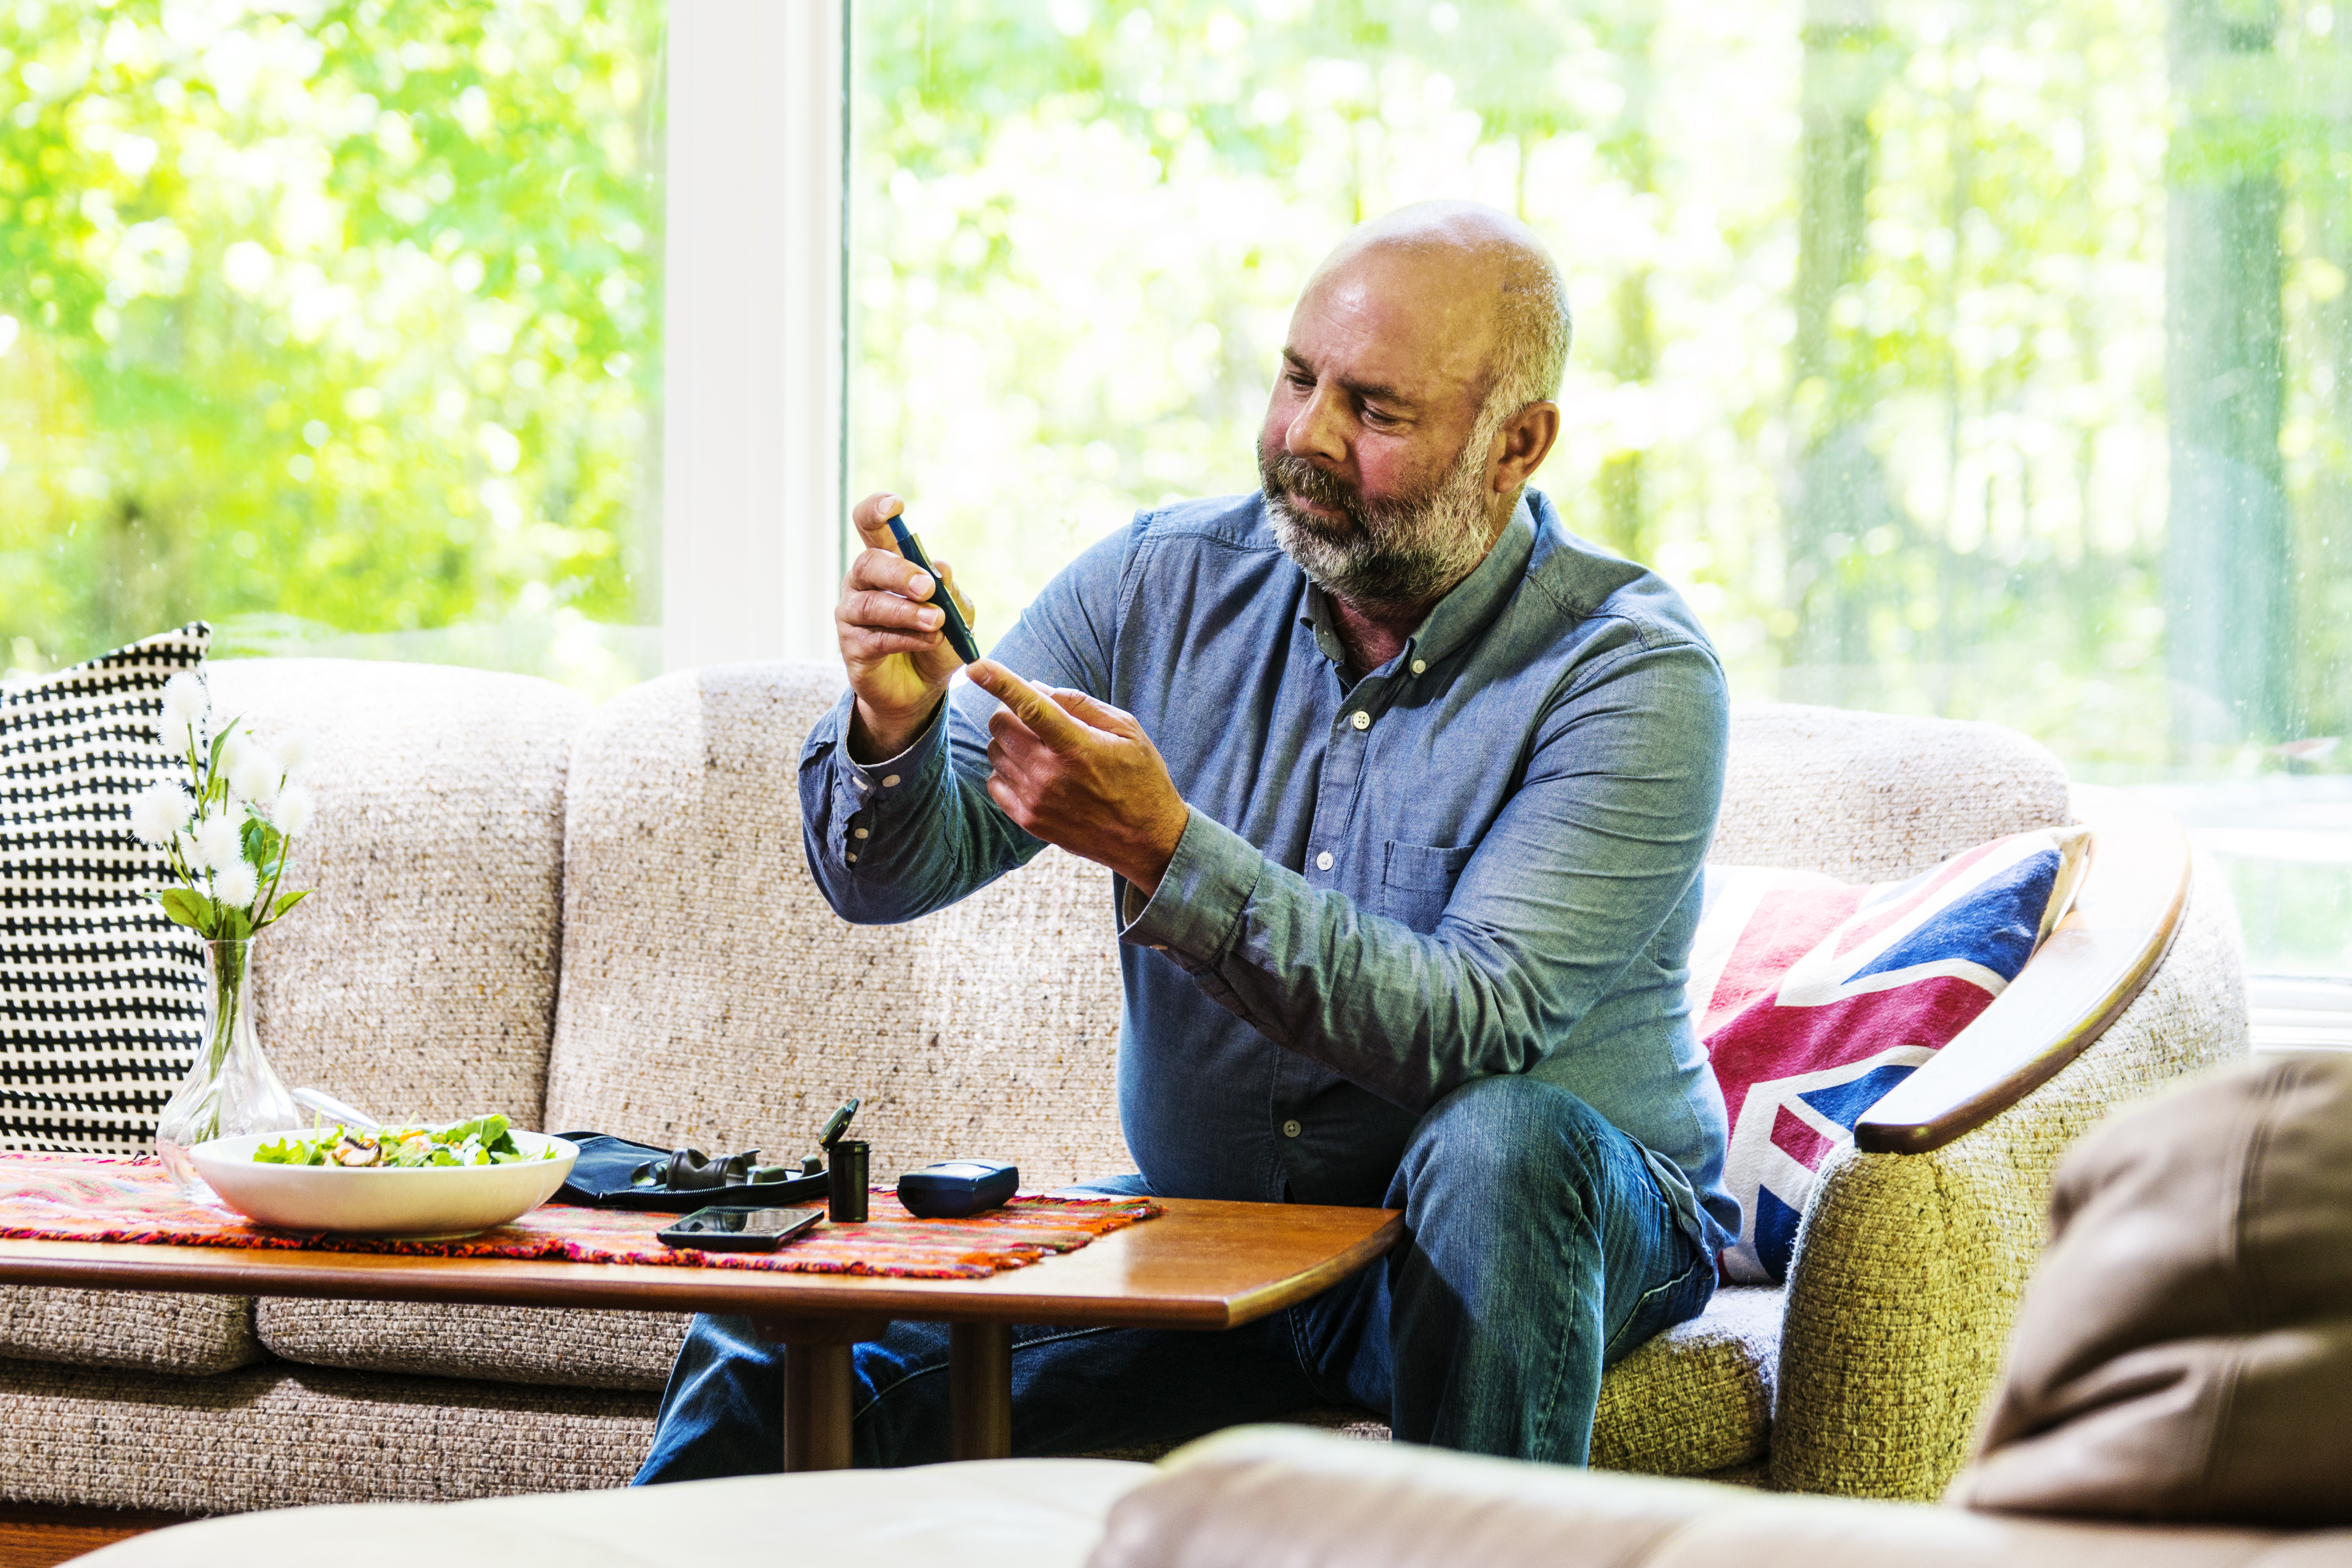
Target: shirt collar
(1462,612)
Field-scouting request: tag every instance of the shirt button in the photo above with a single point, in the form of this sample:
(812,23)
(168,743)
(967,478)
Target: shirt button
(1363,720)
(1419,665)
(1292,1129)
(852,859)
(891,782)
(1323,861)
(857,833)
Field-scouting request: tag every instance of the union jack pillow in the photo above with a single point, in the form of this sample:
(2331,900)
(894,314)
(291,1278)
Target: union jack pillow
(1815,997)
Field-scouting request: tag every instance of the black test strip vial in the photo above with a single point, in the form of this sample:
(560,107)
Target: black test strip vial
(845,1176)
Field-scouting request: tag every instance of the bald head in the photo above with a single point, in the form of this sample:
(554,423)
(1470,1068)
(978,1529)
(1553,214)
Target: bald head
(1413,402)
(1486,279)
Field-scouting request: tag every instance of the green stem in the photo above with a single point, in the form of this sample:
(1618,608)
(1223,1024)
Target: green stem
(285,853)
(230,962)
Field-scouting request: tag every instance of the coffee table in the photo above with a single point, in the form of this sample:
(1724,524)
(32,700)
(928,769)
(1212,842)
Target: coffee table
(1200,1265)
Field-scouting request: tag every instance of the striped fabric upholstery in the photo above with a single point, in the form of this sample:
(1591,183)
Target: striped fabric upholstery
(100,997)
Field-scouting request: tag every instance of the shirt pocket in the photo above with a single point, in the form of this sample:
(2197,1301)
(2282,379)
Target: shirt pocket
(1417,881)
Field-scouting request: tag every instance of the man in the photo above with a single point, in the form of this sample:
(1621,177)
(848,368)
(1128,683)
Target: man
(1405,793)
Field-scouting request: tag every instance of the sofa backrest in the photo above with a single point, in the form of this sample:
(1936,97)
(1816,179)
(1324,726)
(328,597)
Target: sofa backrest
(1867,797)
(712,999)
(419,978)
(709,996)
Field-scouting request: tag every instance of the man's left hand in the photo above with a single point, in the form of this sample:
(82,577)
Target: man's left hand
(1081,774)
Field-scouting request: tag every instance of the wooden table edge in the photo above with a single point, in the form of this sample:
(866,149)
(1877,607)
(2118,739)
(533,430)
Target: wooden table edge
(531,1282)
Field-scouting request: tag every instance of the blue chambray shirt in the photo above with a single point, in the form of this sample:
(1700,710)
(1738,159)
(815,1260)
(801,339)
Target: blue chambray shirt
(1481,858)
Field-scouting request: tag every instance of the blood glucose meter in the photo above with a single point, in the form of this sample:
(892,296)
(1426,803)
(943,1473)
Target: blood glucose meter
(953,1189)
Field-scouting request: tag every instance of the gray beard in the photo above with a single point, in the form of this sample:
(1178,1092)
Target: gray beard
(1409,549)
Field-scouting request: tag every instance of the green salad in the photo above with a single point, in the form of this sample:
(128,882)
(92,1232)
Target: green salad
(484,1140)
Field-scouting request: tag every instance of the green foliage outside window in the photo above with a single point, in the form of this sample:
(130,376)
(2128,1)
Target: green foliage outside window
(330,319)
(1874,354)
(1990,360)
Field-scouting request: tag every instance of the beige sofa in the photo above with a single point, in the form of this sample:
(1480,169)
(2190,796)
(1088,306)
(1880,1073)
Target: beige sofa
(602,920)
(1252,1498)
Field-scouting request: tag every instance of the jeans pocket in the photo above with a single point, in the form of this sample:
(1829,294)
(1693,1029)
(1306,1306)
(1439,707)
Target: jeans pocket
(1417,881)
(1677,1300)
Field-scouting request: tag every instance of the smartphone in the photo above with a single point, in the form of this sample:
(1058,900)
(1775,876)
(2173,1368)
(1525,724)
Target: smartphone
(959,636)
(726,1229)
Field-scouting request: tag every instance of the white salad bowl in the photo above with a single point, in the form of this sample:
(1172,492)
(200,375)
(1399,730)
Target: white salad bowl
(427,1201)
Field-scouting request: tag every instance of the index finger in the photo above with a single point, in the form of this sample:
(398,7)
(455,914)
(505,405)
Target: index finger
(872,517)
(1045,718)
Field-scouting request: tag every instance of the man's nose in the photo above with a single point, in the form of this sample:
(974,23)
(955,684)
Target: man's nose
(1318,429)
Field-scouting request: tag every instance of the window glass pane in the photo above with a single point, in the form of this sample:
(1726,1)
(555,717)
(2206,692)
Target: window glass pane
(335,324)
(1986,360)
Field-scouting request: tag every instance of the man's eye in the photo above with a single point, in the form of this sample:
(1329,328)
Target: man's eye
(1378,416)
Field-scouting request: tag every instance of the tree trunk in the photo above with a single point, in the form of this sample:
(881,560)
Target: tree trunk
(2323,662)
(1839,492)
(2228,575)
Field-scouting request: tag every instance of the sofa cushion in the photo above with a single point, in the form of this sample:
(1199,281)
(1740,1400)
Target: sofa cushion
(1268,1496)
(100,993)
(710,998)
(129,1330)
(280,1437)
(2184,1352)
(419,979)
(1869,797)
(501,1344)
(1699,1396)
(980,1513)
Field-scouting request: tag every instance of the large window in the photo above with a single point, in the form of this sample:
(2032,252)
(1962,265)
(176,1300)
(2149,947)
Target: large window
(1990,358)
(336,323)
(1987,360)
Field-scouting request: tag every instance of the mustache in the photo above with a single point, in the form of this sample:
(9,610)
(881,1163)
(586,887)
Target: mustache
(1281,472)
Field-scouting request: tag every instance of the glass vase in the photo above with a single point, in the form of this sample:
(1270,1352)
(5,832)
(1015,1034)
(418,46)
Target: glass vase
(231,1087)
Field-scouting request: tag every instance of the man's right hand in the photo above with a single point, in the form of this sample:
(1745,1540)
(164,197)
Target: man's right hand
(899,662)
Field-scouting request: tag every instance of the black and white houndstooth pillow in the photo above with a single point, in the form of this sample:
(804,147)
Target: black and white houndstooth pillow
(100,997)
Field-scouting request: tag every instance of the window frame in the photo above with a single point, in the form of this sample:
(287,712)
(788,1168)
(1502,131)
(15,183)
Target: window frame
(755,331)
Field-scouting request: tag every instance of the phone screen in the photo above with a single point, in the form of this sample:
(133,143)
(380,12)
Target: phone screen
(747,1221)
(736,1228)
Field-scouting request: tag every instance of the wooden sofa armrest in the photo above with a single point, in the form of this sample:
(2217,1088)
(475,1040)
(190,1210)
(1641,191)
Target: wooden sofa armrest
(2126,915)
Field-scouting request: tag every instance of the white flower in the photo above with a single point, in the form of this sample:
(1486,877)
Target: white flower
(218,845)
(296,806)
(159,811)
(186,706)
(145,824)
(253,777)
(294,756)
(184,698)
(235,752)
(235,883)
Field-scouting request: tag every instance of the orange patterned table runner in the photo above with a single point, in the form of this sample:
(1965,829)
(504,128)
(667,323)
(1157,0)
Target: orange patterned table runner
(96,1197)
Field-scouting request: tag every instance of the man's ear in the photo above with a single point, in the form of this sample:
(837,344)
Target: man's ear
(1521,445)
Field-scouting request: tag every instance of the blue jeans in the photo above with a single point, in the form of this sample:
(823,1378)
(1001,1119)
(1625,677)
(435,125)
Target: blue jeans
(1538,1250)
